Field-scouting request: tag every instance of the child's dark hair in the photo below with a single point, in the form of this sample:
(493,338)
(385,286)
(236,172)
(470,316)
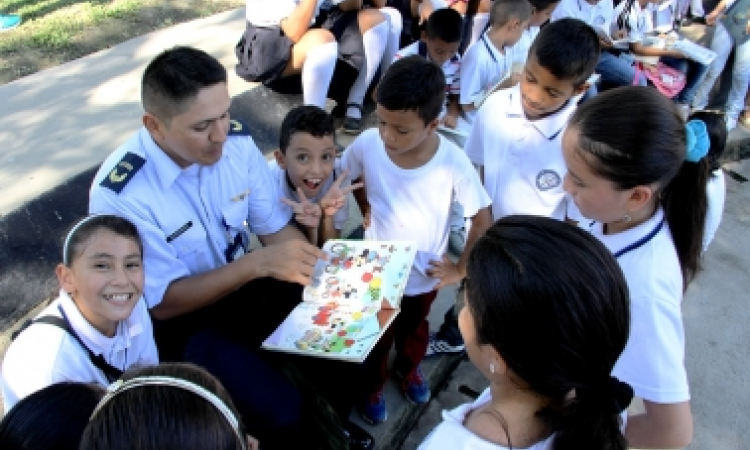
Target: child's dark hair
(305,119)
(558,331)
(503,11)
(86,227)
(413,84)
(541,5)
(717,135)
(52,418)
(164,417)
(176,76)
(445,24)
(568,48)
(637,138)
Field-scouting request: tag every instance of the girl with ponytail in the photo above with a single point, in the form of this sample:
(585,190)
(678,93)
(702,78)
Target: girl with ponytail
(545,337)
(640,176)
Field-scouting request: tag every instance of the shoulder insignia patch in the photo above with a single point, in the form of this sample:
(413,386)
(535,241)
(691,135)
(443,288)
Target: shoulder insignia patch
(237,128)
(123,172)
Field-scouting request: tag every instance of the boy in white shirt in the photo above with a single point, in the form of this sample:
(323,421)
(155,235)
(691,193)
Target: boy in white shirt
(516,140)
(489,60)
(412,175)
(309,174)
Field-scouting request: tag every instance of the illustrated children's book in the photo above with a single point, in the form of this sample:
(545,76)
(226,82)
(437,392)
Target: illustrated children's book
(353,298)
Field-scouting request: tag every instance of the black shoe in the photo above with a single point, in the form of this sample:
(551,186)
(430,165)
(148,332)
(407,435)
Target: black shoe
(359,439)
(352,125)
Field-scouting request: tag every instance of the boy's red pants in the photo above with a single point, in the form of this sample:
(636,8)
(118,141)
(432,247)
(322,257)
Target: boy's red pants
(409,334)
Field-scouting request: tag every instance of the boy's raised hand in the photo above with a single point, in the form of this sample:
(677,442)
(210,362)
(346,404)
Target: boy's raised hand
(446,271)
(334,199)
(306,213)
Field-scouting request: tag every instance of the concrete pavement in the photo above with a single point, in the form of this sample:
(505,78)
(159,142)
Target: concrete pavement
(56,126)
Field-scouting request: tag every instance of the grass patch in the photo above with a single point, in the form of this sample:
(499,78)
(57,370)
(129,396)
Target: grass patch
(57,31)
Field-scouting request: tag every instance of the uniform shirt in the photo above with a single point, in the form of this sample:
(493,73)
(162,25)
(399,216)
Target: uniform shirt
(188,218)
(523,160)
(279,174)
(716,191)
(45,354)
(598,16)
(451,68)
(653,361)
(520,51)
(452,434)
(414,204)
(639,20)
(482,67)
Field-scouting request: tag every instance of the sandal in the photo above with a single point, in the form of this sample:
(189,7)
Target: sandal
(352,125)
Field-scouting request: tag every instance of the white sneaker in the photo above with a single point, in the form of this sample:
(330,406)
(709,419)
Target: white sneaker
(731,123)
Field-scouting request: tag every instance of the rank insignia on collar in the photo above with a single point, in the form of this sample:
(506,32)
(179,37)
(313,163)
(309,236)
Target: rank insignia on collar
(122,173)
(237,128)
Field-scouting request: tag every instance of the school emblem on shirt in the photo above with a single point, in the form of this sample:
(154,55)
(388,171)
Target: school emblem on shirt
(123,172)
(237,128)
(547,179)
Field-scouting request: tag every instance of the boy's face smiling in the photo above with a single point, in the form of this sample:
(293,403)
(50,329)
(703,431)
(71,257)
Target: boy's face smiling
(439,50)
(406,136)
(308,161)
(542,92)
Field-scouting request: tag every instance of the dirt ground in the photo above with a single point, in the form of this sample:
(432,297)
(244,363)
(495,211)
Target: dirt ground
(30,57)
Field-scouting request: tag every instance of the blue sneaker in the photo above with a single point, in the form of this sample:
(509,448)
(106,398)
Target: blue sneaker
(415,387)
(372,409)
(9,21)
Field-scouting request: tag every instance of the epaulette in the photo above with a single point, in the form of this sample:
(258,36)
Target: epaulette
(237,128)
(123,172)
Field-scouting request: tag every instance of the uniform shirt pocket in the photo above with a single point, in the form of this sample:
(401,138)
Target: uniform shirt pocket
(192,249)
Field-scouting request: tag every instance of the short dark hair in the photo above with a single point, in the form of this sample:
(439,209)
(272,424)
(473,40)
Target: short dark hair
(413,84)
(163,417)
(176,76)
(52,418)
(503,11)
(541,5)
(86,227)
(558,331)
(445,24)
(305,119)
(568,49)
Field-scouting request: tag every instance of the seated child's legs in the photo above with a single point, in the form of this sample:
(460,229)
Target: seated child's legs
(618,71)
(412,331)
(696,72)
(740,77)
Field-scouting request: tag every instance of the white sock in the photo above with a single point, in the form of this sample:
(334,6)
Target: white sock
(477,28)
(317,73)
(394,37)
(375,40)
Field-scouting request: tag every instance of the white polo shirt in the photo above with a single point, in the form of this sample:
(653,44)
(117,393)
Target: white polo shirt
(482,66)
(654,358)
(279,174)
(414,204)
(188,218)
(269,13)
(523,160)
(45,354)
(599,15)
(520,51)
(716,191)
(452,434)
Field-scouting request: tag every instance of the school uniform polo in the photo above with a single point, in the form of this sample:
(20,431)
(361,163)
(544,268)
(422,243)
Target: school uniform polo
(451,68)
(654,358)
(599,15)
(191,220)
(482,66)
(520,51)
(289,191)
(639,22)
(45,354)
(452,433)
(265,13)
(522,159)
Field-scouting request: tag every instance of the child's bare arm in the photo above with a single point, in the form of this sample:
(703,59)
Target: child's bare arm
(454,110)
(296,24)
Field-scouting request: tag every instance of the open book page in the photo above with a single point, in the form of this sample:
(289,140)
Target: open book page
(353,298)
(694,51)
(488,90)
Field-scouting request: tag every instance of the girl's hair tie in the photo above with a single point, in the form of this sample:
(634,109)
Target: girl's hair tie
(698,141)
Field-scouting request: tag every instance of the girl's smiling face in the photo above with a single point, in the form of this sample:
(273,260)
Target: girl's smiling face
(105,279)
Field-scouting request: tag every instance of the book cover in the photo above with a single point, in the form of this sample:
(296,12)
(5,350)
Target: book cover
(353,298)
